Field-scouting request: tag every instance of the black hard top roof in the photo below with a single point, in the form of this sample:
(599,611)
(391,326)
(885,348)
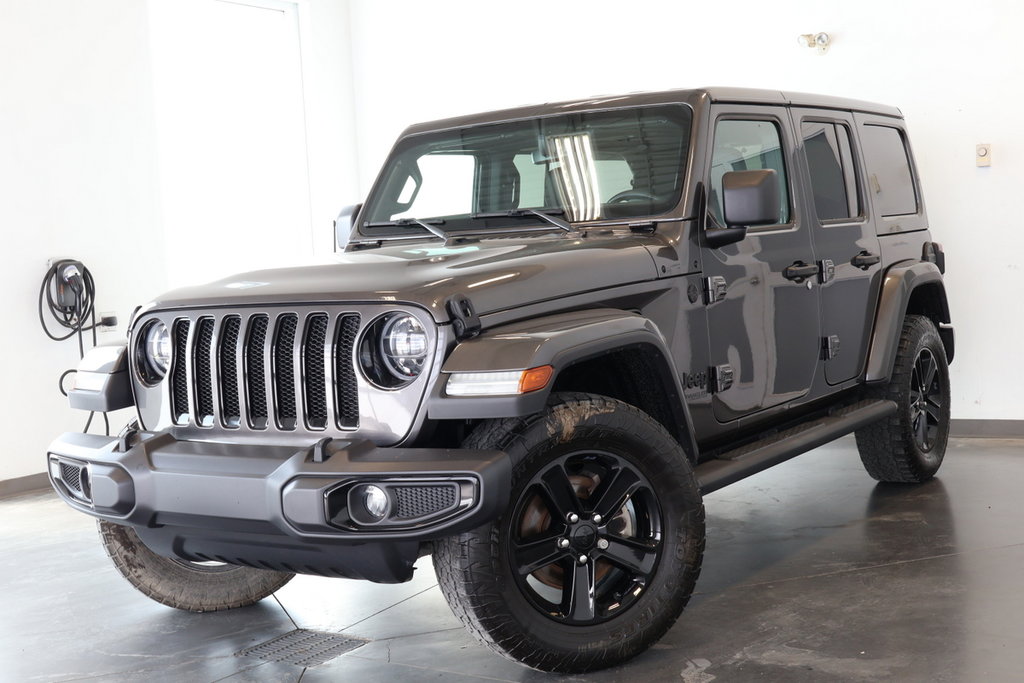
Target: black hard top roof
(690,96)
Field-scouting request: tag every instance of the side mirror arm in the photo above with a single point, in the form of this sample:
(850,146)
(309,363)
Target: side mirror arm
(715,235)
(720,237)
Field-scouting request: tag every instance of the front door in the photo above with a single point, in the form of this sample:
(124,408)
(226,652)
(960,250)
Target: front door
(844,239)
(764,326)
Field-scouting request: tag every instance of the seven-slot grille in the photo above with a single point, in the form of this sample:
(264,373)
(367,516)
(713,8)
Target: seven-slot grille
(282,370)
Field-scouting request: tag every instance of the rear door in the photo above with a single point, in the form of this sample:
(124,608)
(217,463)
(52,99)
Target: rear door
(845,244)
(763,327)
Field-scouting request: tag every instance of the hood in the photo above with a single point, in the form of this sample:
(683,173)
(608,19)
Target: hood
(495,274)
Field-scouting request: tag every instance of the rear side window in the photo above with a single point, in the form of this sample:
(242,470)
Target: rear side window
(889,178)
(746,146)
(830,163)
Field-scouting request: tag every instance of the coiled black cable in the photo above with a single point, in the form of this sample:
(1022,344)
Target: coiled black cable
(71,317)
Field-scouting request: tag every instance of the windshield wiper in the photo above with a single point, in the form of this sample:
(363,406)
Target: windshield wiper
(429,225)
(547,214)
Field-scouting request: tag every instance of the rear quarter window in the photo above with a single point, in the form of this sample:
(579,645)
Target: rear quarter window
(890,181)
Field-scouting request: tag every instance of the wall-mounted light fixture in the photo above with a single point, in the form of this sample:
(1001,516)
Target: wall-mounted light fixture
(818,41)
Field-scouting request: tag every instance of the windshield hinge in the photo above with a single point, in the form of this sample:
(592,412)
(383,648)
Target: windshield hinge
(465,321)
(643,227)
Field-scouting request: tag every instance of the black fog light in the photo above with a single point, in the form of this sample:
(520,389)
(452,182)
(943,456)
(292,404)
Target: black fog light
(368,504)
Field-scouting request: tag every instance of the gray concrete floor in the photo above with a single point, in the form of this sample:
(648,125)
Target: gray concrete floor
(813,572)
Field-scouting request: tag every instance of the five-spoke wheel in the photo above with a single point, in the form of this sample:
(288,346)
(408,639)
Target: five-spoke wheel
(926,399)
(585,537)
(599,548)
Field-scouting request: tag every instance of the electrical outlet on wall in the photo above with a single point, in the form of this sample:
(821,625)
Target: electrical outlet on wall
(983,155)
(106,322)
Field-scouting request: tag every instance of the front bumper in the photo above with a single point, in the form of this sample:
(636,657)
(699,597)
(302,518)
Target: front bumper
(280,507)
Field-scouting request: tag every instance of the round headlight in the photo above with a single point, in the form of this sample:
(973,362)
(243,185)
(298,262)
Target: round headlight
(154,352)
(403,344)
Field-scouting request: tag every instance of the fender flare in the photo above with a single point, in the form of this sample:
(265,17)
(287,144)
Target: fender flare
(559,340)
(898,285)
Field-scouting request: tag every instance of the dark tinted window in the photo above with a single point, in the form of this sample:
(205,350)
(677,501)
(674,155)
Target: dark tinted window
(827,147)
(888,166)
(587,166)
(746,146)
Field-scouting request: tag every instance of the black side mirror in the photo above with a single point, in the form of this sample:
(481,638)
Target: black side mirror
(750,198)
(343,226)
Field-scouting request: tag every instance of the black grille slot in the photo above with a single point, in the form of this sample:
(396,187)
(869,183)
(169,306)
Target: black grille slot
(255,371)
(71,475)
(284,370)
(228,360)
(420,501)
(345,374)
(203,372)
(315,370)
(179,373)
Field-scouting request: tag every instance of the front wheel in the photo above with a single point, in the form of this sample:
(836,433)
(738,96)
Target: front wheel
(599,549)
(192,586)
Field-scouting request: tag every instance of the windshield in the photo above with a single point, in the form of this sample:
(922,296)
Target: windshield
(620,164)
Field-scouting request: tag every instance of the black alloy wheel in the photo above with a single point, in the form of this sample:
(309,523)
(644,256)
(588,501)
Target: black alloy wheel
(585,537)
(926,400)
(599,548)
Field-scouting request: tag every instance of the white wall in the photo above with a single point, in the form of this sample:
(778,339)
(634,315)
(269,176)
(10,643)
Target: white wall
(79,157)
(76,180)
(79,177)
(250,178)
(957,75)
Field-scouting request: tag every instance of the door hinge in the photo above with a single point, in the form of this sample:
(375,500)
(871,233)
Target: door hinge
(829,347)
(826,270)
(721,378)
(715,289)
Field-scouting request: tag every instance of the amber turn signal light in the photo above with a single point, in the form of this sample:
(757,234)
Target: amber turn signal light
(535,378)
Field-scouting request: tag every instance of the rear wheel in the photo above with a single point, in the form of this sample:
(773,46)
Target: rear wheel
(192,586)
(599,549)
(909,445)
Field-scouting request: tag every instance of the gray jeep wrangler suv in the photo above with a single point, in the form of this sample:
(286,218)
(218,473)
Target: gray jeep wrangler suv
(547,333)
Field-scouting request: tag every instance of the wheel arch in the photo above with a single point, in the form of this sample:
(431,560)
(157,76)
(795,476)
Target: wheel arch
(909,288)
(616,353)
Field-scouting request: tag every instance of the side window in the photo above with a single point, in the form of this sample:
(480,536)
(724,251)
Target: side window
(888,165)
(830,162)
(746,146)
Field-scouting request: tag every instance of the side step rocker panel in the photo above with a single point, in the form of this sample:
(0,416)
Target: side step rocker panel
(732,466)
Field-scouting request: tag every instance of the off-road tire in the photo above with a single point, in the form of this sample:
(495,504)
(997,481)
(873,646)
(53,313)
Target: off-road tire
(890,449)
(474,570)
(186,586)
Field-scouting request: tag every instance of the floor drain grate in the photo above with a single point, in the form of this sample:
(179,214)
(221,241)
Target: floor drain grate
(302,647)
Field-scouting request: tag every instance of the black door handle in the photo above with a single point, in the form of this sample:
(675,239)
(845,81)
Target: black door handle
(800,271)
(865,260)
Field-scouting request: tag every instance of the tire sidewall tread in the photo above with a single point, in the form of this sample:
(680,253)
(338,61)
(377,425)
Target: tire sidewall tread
(473,571)
(176,585)
(888,448)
